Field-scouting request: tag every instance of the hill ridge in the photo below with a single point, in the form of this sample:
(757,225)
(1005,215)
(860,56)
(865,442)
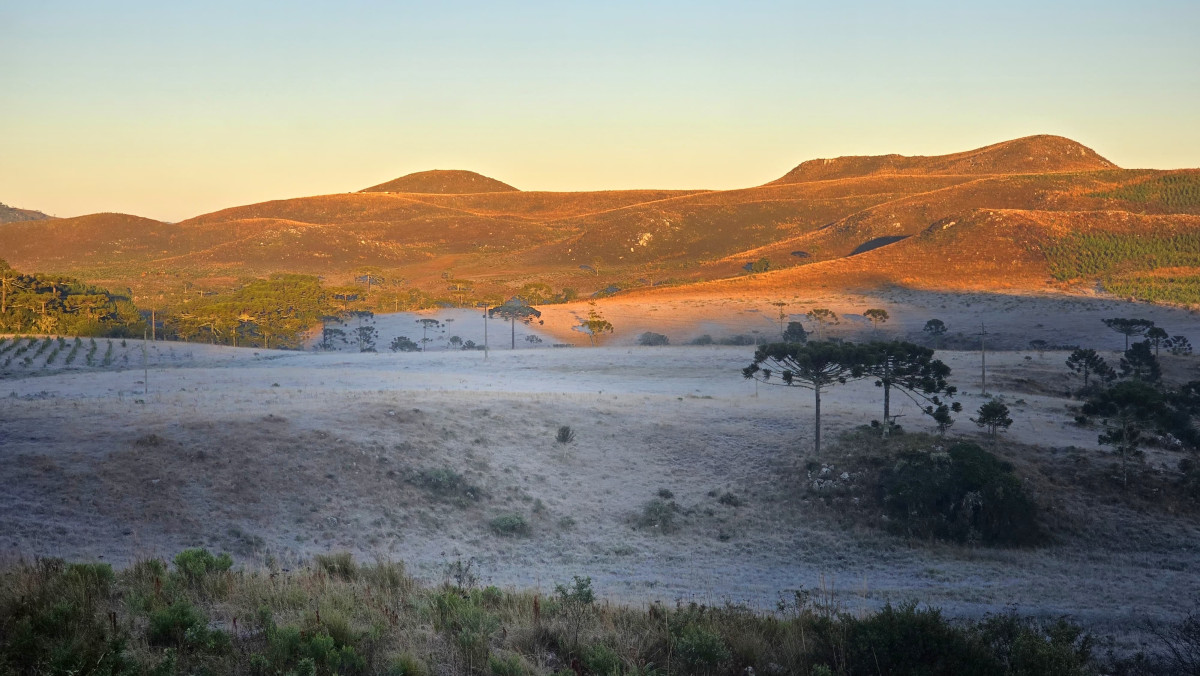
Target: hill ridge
(443,182)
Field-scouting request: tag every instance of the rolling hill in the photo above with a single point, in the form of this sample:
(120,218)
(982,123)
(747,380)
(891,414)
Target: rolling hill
(857,221)
(442,181)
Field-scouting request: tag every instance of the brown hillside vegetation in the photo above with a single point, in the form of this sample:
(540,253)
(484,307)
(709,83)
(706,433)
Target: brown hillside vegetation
(14,215)
(850,221)
(442,181)
(1029,155)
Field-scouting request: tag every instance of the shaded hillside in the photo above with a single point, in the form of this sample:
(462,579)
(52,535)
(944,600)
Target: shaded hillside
(14,215)
(443,181)
(1029,155)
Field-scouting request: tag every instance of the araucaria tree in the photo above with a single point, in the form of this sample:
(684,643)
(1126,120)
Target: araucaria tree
(912,370)
(515,310)
(822,316)
(1088,363)
(1139,363)
(1129,327)
(877,317)
(1130,409)
(426,324)
(813,366)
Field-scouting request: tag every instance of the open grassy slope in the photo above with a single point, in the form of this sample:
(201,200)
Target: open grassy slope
(443,181)
(827,215)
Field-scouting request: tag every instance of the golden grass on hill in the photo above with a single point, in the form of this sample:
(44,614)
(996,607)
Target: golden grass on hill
(821,219)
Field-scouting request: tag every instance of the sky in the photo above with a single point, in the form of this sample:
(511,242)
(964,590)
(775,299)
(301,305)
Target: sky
(173,109)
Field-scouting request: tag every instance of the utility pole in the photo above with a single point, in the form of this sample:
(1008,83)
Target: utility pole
(983,357)
(485,333)
(152,326)
(145,368)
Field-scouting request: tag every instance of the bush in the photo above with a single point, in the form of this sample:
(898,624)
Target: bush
(601,660)
(339,565)
(183,626)
(703,340)
(701,649)
(404,344)
(965,495)
(657,515)
(651,339)
(195,564)
(907,640)
(509,525)
(565,435)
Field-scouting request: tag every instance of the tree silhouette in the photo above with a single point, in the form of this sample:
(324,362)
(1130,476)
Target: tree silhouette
(813,366)
(795,333)
(1129,409)
(515,310)
(1129,327)
(1156,336)
(936,328)
(1139,363)
(1088,363)
(426,324)
(911,369)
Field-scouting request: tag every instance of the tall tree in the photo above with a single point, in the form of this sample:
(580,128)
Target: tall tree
(1139,363)
(426,324)
(515,310)
(1128,327)
(814,366)
(1130,410)
(1156,336)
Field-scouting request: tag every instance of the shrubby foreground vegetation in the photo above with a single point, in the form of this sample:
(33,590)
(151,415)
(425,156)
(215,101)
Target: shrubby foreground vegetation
(204,616)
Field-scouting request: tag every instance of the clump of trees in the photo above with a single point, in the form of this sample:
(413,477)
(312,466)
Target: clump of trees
(54,304)
(269,313)
(818,366)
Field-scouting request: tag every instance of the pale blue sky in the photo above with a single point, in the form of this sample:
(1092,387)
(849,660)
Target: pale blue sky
(171,109)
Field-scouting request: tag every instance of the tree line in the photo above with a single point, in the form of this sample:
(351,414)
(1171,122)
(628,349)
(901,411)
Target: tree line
(56,304)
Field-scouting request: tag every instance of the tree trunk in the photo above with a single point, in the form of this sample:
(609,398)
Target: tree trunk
(513,325)
(817,434)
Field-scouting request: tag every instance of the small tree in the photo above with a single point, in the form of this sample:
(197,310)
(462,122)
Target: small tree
(1087,363)
(515,310)
(795,333)
(1129,327)
(994,416)
(877,317)
(595,324)
(1139,363)
(936,328)
(760,265)
(1179,346)
(366,338)
(455,342)
(822,316)
(330,334)
(814,366)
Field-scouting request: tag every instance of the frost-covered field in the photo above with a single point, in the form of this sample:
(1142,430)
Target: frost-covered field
(276,455)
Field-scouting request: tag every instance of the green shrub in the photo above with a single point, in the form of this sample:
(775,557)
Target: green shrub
(652,339)
(183,626)
(509,525)
(407,665)
(907,640)
(340,565)
(601,660)
(195,564)
(447,484)
(512,665)
(965,495)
